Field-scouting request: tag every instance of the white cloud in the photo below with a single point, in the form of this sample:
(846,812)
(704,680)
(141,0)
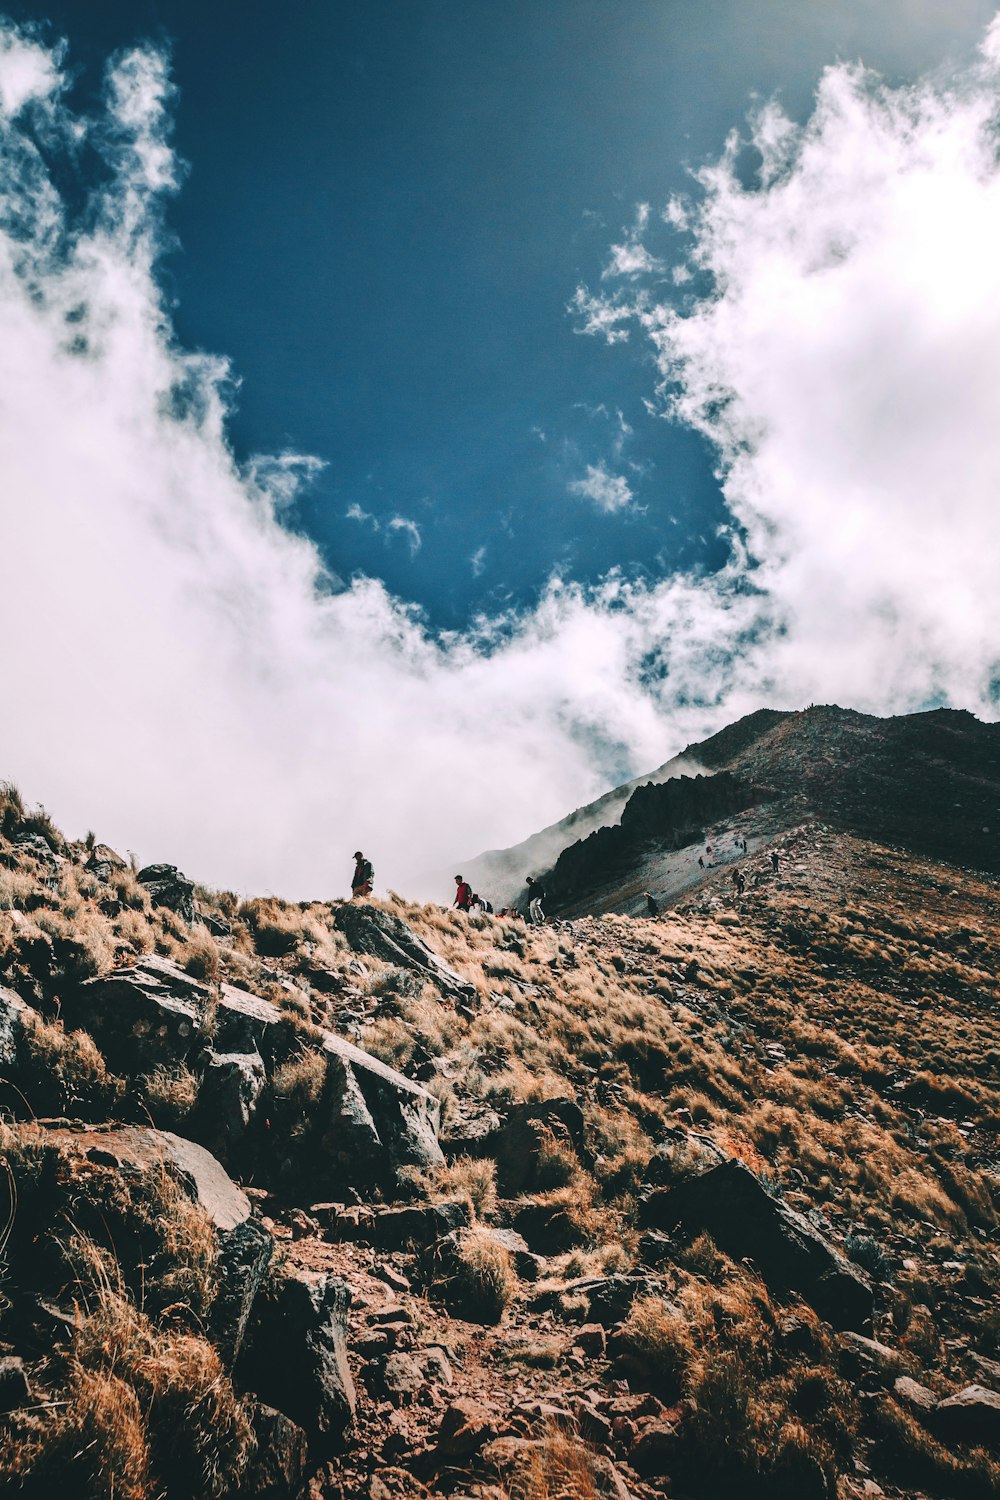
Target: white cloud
(630,258)
(29,73)
(609,492)
(846,366)
(402,526)
(477,561)
(182,674)
(365,517)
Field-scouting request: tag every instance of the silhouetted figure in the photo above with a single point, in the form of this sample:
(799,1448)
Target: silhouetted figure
(701,862)
(652,905)
(363,878)
(536,895)
(775,861)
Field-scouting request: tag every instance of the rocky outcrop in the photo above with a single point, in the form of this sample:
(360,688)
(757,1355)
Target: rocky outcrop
(168,887)
(387,937)
(104,862)
(732,1205)
(247,1023)
(227,1100)
(149,1015)
(296,1357)
(279,1464)
(417,1226)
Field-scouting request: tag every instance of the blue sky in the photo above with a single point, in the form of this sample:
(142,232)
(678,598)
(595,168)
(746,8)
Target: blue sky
(388,208)
(595,468)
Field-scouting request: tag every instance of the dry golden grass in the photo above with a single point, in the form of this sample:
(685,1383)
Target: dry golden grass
(170,1095)
(65,1071)
(482,1283)
(558,1467)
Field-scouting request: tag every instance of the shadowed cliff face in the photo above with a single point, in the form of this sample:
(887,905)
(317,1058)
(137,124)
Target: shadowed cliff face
(671,814)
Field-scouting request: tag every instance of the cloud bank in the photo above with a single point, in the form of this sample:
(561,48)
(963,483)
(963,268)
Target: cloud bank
(183,674)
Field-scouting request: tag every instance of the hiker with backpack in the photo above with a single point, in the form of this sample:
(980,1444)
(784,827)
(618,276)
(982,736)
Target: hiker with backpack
(363,879)
(463,894)
(536,895)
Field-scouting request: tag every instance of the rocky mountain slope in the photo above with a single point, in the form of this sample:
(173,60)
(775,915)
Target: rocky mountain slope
(321,1200)
(928,782)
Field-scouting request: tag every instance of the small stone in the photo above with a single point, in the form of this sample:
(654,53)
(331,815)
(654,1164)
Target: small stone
(592,1339)
(465,1427)
(437,1366)
(401,1378)
(655,1449)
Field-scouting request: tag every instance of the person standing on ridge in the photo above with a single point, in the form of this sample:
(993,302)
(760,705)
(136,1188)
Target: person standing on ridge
(536,895)
(364,877)
(463,894)
(652,905)
(775,861)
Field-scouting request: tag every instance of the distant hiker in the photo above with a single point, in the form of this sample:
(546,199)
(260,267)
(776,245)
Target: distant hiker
(463,894)
(476,903)
(744,846)
(652,905)
(486,905)
(775,861)
(536,895)
(740,881)
(364,877)
(701,862)
(735,877)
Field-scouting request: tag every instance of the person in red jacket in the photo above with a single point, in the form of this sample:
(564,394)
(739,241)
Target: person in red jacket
(463,894)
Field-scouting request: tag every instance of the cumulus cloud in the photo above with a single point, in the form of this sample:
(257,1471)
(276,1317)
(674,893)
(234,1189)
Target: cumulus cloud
(609,492)
(183,674)
(846,367)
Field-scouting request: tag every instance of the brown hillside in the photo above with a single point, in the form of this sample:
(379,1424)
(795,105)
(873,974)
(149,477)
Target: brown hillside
(717,1214)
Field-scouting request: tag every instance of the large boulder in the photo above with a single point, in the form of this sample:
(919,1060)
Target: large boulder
(244,1248)
(104,862)
(729,1203)
(139,1148)
(168,887)
(387,937)
(417,1226)
(148,1015)
(528,1133)
(388,1118)
(249,1023)
(227,1100)
(971,1415)
(296,1357)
